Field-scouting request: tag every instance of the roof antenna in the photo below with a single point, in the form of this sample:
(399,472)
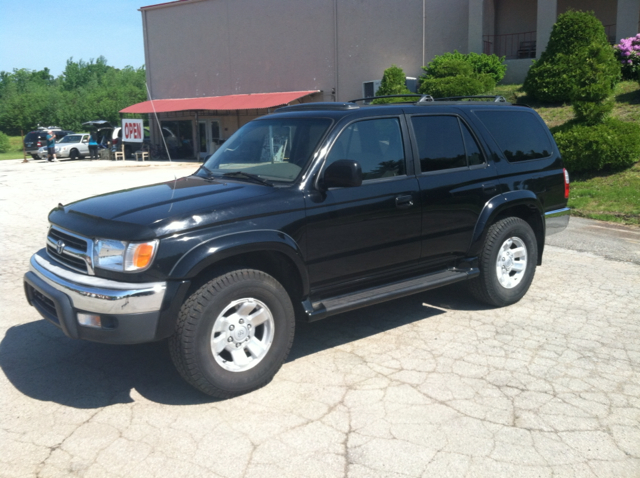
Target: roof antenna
(158,121)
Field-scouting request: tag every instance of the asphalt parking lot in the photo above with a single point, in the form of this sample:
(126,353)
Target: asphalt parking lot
(432,385)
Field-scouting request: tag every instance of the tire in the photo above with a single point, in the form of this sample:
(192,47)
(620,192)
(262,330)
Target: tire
(221,313)
(35,156)
(507,263)
(73,154)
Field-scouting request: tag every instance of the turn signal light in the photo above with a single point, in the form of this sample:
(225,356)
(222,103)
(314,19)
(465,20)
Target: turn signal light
(142,255)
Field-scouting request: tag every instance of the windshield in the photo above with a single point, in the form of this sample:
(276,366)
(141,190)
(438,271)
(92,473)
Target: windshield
(71,138)
(273,149)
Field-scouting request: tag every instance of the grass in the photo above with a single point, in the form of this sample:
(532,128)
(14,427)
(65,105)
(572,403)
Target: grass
(611,196)
(15,149)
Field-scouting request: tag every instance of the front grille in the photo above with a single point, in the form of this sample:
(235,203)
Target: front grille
(68,239)
(69,249)
(45,304)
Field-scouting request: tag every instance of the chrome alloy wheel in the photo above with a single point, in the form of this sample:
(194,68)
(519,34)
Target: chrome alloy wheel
(242,335)
(511,263)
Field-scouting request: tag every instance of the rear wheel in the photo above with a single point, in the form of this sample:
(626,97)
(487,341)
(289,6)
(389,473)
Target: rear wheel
(234,333)
(507,263)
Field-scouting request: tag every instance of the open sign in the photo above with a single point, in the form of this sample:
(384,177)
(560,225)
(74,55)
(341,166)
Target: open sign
(132,130)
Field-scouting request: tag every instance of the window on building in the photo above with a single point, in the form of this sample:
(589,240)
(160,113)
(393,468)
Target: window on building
(376,144)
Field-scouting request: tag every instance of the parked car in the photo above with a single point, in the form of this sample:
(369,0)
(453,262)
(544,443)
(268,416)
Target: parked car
(317,209)
(34,140)
(110,136)
(73,146)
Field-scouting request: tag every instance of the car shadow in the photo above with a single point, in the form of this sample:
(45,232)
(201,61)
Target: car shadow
(43,364)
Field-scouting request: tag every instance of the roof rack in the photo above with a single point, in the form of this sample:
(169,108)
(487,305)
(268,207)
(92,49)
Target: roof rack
(495,98)
(408,95)
(320,105)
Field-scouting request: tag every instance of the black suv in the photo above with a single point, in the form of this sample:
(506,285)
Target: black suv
(315,210)
(34,140)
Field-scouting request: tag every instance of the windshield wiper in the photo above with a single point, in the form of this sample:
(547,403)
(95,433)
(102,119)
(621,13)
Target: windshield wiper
(253,177)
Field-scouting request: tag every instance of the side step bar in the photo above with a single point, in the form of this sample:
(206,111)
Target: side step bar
(375,295)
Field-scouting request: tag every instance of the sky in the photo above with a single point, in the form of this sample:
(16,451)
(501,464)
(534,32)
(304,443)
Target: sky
(35,34)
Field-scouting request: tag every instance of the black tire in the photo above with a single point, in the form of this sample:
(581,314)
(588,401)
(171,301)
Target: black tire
(74,154)
(488,288)
(35,156)
(191,344)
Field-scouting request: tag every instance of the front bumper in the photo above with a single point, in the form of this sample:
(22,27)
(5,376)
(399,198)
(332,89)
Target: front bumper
(129,312)
(557,220)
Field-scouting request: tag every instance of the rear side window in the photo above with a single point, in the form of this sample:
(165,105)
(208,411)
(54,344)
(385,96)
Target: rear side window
(519,134)
(444,142)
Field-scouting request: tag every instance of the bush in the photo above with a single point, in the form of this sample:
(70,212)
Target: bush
(628,54)
(610,145)
(453,86)
(4,143)
(554,78)
(596,71)
(449,75)
(480,63)
(448,68)
(393,83)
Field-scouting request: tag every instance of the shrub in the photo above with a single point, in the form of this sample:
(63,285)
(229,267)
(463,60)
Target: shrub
(596,71)
(4,143)
(393,83)
(480,63)
(553,78)
(452,86)
(628,54)
(448,68)
(610,145)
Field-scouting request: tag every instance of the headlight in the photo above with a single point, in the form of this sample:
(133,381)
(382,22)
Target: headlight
(122,256)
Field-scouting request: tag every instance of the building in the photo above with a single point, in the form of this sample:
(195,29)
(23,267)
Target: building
(212,57)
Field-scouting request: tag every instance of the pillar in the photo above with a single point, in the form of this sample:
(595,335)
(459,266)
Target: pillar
(476,10)
(627,18)
(547,16)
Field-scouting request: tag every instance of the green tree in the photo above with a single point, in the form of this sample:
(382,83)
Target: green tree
(555,77)
(393,83)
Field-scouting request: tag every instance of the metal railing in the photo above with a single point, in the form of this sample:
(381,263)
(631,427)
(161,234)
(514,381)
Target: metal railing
(511,45)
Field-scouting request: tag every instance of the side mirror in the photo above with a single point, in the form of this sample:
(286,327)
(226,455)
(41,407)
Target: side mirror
(344,173)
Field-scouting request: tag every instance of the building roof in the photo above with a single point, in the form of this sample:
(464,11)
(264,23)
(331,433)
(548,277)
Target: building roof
(255,101)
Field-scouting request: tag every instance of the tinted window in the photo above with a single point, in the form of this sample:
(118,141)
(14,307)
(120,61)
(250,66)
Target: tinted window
(72,138)
(474,155)
(376,144)
(440,143)
(519,134)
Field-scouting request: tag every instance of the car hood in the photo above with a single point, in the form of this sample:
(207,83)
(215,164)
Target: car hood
(161,209)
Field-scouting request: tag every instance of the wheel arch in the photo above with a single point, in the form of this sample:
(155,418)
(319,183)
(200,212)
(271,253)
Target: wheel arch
(522,204)
(272,252)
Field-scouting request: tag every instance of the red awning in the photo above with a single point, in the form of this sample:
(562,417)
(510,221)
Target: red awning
(255,101)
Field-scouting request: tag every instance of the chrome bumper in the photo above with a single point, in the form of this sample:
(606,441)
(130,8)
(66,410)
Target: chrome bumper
(557,220)
(132,309)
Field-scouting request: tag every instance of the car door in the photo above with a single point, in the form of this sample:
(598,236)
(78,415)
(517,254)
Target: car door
(456,180)
(354,232)
(83,146)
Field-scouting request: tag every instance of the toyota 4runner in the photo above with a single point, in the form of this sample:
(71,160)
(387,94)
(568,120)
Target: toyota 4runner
(311,211)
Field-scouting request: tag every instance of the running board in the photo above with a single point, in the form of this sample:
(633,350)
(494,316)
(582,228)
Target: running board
(375,295)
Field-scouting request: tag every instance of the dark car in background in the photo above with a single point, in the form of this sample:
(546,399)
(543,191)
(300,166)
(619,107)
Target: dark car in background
(34,140)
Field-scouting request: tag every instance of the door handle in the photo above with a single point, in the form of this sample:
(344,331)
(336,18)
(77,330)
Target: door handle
(404,202)
(489,188)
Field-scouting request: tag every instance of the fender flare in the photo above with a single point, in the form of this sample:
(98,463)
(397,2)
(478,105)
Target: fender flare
(498,204)
(219,248)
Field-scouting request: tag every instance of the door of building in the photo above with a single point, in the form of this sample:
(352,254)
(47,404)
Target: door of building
(208,137)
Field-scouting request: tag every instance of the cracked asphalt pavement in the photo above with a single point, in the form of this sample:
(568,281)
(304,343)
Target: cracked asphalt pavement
(431,385)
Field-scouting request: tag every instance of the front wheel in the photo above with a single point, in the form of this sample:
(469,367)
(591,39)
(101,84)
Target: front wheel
(507,263)
(234,333)
(74,154)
